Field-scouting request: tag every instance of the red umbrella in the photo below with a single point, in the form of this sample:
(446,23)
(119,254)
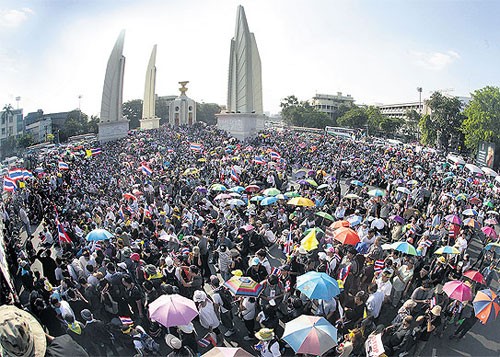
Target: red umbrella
(252,188)
(475,276)
(346,236)
(340,224)
(458,290)
(129,196)
(475,201)
(490,232)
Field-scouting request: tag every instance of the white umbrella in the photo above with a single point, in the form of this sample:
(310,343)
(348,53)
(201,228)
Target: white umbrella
(474,169)
(378,223)
(404,190)
(489,172)
(456,159)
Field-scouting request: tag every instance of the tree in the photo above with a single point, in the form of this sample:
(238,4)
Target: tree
(410,127)
(93,124)
(298,113)
(76,124)
(132,110)
(428,130)
(8,110)
(483,117)
(290,101)
(205,112)
(25,140)
(354,118)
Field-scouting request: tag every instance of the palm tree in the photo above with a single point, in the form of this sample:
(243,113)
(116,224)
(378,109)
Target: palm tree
(8,110)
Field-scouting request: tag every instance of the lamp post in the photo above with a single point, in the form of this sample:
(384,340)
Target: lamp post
(419,90)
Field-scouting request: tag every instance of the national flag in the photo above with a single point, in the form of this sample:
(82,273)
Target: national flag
(274,155)
(196,147)
(63,236)
(126,320)
(337,257)
(259,160)
(426,243)
(433,302)
(9,184)
(96,151)
(451,233)
(207,341)
(378,265)
(185,251)
(16,174)
(145,169)
(27,174)
(63,165)
(276,271)
(287,247)
(344,272)
(234,175)
(288,285)
(148,212)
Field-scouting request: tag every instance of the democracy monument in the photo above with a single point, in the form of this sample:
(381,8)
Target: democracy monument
(149,119)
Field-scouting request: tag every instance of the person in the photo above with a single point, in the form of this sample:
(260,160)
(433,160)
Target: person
(223,300)
(208,314)
(428,323)
(375,301)
(247,310)
(98,335)
(396,336)
(402,278)
(268,345)
(384,285)
(469,319)
(256,271)
(178,349)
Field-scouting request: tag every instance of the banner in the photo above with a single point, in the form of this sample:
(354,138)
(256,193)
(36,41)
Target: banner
(486,154)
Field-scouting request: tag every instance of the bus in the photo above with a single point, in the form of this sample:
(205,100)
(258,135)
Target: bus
(345,133)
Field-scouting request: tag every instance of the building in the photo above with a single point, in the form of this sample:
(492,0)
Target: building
(182,110)
(11,124)
(39,125)
(329,103)
(149,119)
(399,110)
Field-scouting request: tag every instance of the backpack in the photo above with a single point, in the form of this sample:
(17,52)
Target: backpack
(226,297)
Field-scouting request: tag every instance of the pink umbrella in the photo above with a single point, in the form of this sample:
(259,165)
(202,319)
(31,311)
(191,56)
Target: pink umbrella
(490,232)
(453,218)
(248,227)
(223,196)
(172,310)
(491,221)
(458,290)
(227,352)
(475,276)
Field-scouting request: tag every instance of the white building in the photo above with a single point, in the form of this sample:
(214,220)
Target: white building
(11,124)
(399,110)
(329,103)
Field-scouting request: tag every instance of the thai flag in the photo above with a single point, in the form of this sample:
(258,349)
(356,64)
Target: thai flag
(147,212)
(95,151)
(337,257)
(433,302)
(203,342)
(16,174)
(274,155)
(234,175)
(9,184)
(276,271)
(379,265)
(344,272)
(63,236)
(185,251)
(207,341)
(427,243)
(195,147)
(27,174)
(146,170)
(126,320)
(287,249)
(259,160)
(451,233)
(63,165)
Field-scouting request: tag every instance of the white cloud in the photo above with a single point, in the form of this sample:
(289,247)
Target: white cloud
(435,61)
(13,18)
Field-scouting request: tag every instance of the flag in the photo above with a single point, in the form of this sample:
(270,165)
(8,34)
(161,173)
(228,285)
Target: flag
(63,165)
(451,233)
(121,214)
(433,302)
(63,236)
(427,243)
(259,160)
(16,174)
(146,170)
(274,155)
(344,272)
(379,265)
(287,247)
(337,257)
(309,242)
(27,174)
(126,320)
(96,151)
(207,341)
(276,271)
(234,175)
(9,184)
(185,251)
(195,147)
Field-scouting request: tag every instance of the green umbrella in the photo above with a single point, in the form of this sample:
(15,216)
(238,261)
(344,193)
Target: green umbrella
(312,182)
(292,194)
(271,192)
(318,230)
(489,204)
(326,216)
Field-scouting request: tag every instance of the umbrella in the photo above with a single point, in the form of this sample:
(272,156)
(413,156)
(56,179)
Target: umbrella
(281,197)
(471,222)
(492,212)
(312,182)
(447,250)
(398,219)
(325,216)
(238,189)
(169,238)
(191,171)
(403,190)
(447,179)
(489,172)
(493,246)
(475,200)
(173,310)
(243,286)
(486,305)
(490,232)
(292,194)
(491,221)
(404,247)
(398,181)
(317,285)
(346,236)
(98,235)
(218,187)
(474,169)
(475,276)
(354,220)
(377,193)
(236,202)
(201,189)
(470,212)
(340,224)
(316,229)
(268,201)
(247,227)
(301,201)
(129,196)
(303,182)
(312,335)
(322,186)
(257,198)
(461,197)
(351,196)
(227,352)
(489,204)
(357,183)
(378,223)
(271,192)
(412,182)
(458,290)
(223,196)
(235,195)
(301,173)
(252,188)
(453,218)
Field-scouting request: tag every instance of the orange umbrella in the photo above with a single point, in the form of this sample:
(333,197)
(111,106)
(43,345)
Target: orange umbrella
(340,224)
(346,236)
(129,196)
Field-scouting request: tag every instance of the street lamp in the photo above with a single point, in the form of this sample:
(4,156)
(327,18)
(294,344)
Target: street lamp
(419,90)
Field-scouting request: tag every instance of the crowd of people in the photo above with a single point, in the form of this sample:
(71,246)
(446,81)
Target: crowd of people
(185,209)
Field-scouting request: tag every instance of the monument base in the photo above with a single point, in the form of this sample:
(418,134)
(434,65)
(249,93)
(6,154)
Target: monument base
(113,130)
(241,125)
(150,123)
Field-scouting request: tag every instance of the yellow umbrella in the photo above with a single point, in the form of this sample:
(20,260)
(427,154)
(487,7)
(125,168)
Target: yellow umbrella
(301,201)
(309,242)
(191,171)
(202,159)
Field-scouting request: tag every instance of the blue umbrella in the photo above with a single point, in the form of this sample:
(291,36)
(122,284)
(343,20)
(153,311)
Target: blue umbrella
(357,183)
(312,335)
(268,201)
(470,212)
(238,189)
(257,198)
(98,235)
(318,285)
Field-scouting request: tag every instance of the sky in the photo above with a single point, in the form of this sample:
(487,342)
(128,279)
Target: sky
(53,51)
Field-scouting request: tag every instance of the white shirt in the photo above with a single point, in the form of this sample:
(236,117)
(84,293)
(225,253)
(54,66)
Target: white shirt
(208,318)
(384,287)
(374,303)
(248,312)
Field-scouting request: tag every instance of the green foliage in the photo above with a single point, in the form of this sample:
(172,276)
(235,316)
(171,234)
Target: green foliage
(410,127)
(161,108)
(354,118)
(205,112)
(9,146)
(132,110)
(93,124)
(303,114)
(428,130)
(25,140)
(483,117)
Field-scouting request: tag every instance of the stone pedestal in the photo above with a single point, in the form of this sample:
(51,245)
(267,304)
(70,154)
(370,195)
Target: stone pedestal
(240,125)
(112,130)
(150,123)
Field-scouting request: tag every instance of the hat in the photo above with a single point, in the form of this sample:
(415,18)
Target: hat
(199,296)
(265,334)
(86,315)
(135,257)
(436,310)
(196,250)
(21,335)
(237,272)
(173,342)
(127,252)
(255,261)
(122,265)
(189,328)
(302,250)
(169,261)
(409,304)
(47,286)
(441,260)
(150,269)
(321,255)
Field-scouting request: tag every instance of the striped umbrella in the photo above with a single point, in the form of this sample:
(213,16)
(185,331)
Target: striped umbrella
(243,286)
(486,305)
(271,191)
(310,335)
(471,222)
(470,212)
(447,250)
(404,247)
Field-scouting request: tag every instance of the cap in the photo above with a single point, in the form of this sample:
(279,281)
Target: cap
(199,296)
(255,261)
(135,257)
(86,315)
(189,328)
(173,342)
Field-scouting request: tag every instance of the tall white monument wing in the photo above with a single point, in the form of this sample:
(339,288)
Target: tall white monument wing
(148,106)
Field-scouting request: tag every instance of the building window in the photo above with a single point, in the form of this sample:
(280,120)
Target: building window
(190,108)
(3,131)
(176,109)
